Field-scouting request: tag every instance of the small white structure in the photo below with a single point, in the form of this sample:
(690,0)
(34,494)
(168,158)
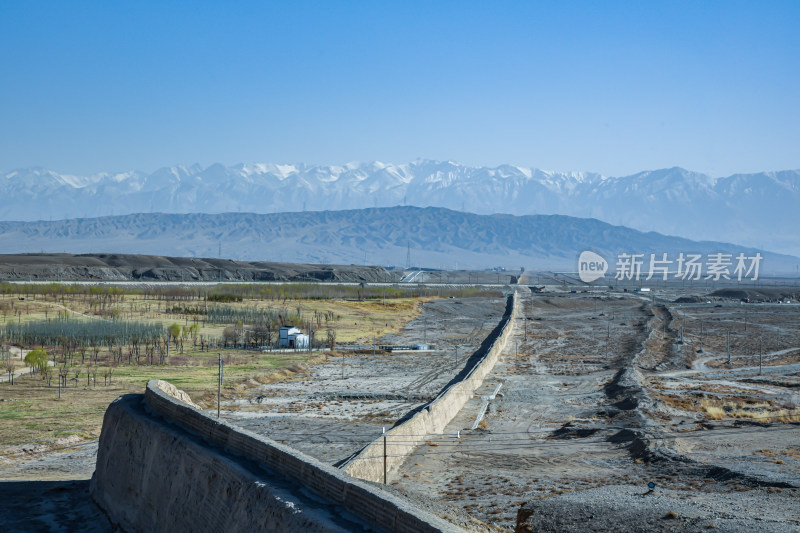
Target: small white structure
(291,337)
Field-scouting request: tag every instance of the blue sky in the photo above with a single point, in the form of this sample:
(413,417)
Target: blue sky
(612,87)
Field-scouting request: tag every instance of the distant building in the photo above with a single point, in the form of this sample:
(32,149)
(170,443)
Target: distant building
(290,337)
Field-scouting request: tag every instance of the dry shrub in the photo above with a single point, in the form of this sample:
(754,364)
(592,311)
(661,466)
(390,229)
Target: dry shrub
(785,416)
(678,402)
(274,376)
(713,412)
(298,368)
(745,408)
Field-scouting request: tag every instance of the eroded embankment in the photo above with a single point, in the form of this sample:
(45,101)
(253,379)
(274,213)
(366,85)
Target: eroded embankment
(380,459)
(164,465)
(634,409)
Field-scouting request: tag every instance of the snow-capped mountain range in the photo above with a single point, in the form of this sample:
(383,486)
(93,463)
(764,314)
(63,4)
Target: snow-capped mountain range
(760,210)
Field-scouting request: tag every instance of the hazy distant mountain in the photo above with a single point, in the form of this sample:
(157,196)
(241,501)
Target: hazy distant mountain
(434,237)
(758,210)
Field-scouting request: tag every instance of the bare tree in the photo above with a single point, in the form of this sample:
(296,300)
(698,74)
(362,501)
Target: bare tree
(229,334)
(8,366)
(331,338)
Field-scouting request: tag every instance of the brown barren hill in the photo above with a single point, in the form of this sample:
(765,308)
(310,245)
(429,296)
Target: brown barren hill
(122,267)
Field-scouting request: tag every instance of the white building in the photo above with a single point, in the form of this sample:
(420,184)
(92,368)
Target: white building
(292,338)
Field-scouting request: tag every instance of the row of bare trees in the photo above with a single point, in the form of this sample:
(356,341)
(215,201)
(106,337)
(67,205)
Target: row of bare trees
(106,296)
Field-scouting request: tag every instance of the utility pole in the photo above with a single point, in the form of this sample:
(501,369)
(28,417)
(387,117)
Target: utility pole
(760,356)
(219,383)
(701,336)
(729,347)
(385,469)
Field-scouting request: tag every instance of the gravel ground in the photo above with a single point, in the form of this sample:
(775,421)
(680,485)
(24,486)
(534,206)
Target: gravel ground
(54,506)
(71,463)
(630,508)
(579,441)
(50,492)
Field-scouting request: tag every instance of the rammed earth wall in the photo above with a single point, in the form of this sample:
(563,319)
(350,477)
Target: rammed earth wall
(163,465)
(432,418)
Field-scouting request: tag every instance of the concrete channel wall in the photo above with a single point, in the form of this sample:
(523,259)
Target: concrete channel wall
(404,438)
(164,465)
